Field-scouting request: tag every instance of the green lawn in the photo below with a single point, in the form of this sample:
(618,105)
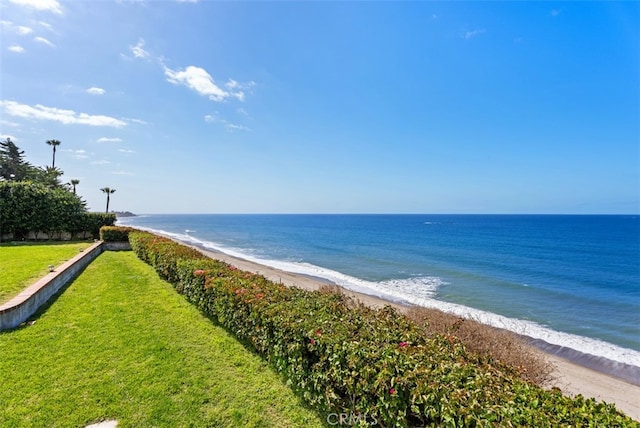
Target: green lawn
(22,264)
(119,343)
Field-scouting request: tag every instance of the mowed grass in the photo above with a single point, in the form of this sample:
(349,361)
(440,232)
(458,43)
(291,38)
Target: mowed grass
(119,343)
(22,264)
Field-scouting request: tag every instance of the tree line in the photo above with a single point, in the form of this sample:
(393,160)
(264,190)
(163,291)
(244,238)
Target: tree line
(14,168)
(35,203)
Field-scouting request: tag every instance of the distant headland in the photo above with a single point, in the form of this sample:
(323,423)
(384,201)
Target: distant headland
(124,214)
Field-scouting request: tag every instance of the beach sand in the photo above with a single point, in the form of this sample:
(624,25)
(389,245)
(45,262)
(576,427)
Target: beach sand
(571,378)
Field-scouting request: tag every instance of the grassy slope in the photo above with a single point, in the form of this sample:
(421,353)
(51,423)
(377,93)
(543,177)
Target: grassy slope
(23,264)
(119,343)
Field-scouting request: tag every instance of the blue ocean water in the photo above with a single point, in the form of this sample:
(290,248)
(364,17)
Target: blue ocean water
(572,281)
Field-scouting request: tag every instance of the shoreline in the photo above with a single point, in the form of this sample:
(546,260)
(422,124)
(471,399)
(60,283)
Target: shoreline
(572,373)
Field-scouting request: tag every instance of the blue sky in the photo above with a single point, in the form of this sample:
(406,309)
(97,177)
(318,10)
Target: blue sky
(364,107)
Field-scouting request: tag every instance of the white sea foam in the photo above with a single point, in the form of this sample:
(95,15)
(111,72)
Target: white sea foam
(420,291)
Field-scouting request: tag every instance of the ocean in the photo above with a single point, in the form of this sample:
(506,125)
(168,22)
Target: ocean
(572,282)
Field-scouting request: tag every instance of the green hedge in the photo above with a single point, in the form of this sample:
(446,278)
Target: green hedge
(33,207)
(372,367)
(115,233)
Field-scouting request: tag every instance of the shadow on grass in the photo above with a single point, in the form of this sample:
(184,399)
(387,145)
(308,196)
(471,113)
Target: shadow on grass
(43,242)
(33,318)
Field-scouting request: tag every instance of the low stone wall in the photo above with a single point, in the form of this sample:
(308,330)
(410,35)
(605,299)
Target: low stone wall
(25,304)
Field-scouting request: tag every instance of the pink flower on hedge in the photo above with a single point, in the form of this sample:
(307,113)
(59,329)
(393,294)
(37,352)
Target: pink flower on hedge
(199,272)
(259,296)
(403,344)
(318,332)
(312,341)
(392,391)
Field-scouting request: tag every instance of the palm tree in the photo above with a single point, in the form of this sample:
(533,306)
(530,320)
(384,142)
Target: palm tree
(74,182)
(108,191)
(54,144)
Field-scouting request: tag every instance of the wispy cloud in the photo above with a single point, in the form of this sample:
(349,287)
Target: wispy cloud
(138,50)
(67,117)
(95,91)
(555,12)
(138,121)
(16,48)
(77,154)
(109,140)
(45,25)
(43,41)
(122,173)
(100,162)
(214,118)
(473,33)
(18,29)
(41,5)
(126,151)
(187,1)
(5,122)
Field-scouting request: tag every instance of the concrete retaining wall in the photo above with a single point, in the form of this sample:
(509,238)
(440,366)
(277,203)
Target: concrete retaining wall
(117,246)
(25,304)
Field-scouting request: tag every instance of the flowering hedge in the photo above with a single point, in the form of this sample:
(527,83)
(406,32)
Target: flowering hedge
(361,366)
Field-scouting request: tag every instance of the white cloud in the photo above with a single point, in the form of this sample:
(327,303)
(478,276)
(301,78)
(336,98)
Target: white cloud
(96,91)
(16,48)
(78,154)
(44,5)
(122,173)
(100,162)
(67,117)
(18,29)
(555,12)
(473,33)
(199,80)
(109,140)
(234,127)
(45,25)
(22,30)
(126,151)
(43,41)
(138,50)
(187,1)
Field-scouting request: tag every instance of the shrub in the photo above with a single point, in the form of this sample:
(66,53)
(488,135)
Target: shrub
(92,222)
(377,366)
(502,346)
(115,233)
(33,207)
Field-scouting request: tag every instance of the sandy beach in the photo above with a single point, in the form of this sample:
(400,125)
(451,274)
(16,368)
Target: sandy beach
(571,378)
